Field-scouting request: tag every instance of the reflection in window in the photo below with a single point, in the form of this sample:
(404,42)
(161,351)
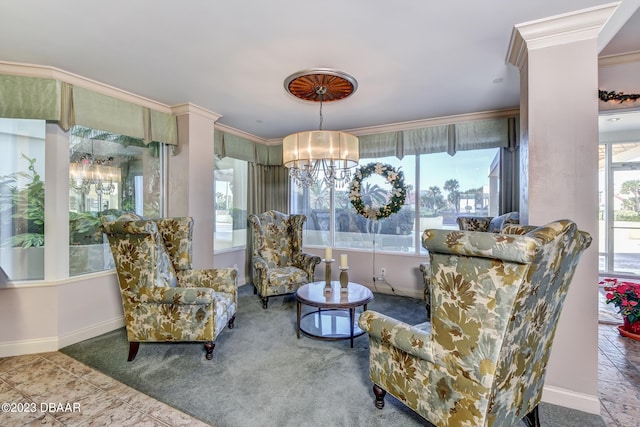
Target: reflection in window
(109,174)
(22,198)
(230,189)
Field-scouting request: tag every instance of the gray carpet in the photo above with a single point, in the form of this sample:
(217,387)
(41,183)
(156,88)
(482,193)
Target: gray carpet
(262,375)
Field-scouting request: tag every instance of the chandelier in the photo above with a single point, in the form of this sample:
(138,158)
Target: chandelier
(90,172)
(332,152)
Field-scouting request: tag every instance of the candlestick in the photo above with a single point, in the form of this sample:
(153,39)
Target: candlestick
(327,272)
(344,279)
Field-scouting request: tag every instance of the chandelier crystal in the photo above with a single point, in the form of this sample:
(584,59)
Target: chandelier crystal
(308,153)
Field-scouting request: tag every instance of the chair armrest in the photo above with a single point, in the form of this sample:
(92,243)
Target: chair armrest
(218,279)
(181,296)
(307,262)
(401,335)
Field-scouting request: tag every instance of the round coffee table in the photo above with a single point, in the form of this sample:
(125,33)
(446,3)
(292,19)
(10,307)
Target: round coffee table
(335,318)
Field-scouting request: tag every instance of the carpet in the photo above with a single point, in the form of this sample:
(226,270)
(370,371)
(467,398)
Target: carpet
(263,375)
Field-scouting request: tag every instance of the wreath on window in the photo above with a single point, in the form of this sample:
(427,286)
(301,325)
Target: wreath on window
(398,190)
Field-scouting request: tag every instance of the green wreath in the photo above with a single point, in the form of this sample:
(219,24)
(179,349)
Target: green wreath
(398,190)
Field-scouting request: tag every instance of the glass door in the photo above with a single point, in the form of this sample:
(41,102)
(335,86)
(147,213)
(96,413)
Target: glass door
(620,209)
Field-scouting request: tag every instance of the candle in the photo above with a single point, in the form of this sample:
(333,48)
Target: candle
(327,254)
(343,260)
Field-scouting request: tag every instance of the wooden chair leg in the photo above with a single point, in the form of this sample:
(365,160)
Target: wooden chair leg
(532,419)
(232,322)
(265,301)
(380,393)
(133,350)
(209,346)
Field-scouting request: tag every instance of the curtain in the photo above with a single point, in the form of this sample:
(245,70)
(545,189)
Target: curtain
(510,169)
(30,98)
(268,189)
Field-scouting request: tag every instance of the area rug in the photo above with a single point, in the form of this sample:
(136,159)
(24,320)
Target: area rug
(263,375)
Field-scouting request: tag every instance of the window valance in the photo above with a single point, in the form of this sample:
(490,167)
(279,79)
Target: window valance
(229,145)
(54,100)
(489,133)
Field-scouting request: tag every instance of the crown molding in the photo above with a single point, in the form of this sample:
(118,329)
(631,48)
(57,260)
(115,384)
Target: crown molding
(571,27)
(193,109)
(437,121)
(619,59)
(246,135)
(44,71)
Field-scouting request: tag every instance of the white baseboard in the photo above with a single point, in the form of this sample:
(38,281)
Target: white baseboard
(44,345)
(571,399)
(91,331)
(18,348)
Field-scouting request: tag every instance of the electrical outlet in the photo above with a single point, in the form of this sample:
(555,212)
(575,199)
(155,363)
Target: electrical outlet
(383,271)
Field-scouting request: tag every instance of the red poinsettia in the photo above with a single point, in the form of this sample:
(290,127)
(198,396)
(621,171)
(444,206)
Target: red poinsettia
(625,296)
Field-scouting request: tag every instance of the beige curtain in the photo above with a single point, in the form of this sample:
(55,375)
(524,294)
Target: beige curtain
(268,189)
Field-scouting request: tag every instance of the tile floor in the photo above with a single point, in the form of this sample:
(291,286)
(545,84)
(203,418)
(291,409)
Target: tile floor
(45,378)
(45,383)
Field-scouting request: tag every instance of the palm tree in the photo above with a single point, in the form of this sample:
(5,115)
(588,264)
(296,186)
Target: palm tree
(453,187)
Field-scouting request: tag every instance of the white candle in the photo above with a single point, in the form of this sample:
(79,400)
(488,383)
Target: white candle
(343,260)
(327,254)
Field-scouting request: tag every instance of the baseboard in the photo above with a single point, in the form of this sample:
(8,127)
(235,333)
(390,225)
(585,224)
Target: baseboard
(91,331)
(44,345)
(18,348)
(571,399)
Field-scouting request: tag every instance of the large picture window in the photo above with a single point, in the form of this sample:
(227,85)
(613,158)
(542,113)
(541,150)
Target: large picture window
(22,192)
(109,174)
(230,190)
(440,187)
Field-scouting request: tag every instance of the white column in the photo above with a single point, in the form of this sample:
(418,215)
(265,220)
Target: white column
(190,178)
(558,63)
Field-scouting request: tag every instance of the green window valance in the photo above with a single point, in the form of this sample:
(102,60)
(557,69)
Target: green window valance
(69,105)
(234,146)
(30,98)
(479,134)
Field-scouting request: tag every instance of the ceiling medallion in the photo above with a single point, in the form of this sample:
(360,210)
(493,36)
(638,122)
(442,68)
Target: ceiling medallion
(320,85)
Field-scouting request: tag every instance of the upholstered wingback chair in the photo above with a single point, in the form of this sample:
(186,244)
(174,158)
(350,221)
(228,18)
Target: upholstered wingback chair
(496,299)
(278,264)
(163,298)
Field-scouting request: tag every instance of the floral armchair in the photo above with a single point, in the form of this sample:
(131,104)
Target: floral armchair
(163,298)
(278,264)
(496,300)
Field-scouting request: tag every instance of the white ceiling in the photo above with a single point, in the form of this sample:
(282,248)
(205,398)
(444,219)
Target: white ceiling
(413,59)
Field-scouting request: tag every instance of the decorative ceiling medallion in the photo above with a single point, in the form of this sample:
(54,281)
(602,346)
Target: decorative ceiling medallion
(320,85)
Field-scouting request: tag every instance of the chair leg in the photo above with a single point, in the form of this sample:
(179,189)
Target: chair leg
(265,301)
(232,322)
(380,393)
(208,346)
(133,350)
(532,419)
(255,290)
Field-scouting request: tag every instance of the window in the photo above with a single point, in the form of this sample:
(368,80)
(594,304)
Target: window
(22,193)
(440,187)
(109,174)
(230,190)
